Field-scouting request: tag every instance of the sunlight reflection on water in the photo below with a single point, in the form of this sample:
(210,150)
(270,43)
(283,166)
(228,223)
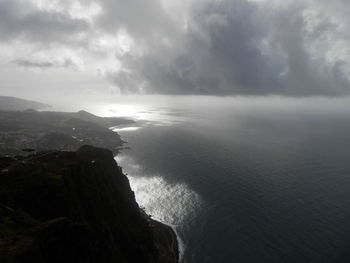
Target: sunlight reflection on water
(256,166)
(125,129)
(172,204)
(169,203)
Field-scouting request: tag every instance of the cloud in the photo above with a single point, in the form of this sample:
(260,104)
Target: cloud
(22,20)
(33,64)
(216,47)
(245,47)
(46,64)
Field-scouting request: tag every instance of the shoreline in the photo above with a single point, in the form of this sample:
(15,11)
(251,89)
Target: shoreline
(179,242)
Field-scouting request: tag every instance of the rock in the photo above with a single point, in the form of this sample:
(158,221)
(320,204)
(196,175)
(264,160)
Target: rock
(76,207)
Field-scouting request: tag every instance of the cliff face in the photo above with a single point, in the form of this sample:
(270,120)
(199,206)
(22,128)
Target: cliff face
(75,207)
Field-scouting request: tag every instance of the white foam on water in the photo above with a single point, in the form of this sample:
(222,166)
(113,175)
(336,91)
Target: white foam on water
(171,204)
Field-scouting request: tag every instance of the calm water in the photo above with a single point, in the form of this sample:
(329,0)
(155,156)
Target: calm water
(262,183)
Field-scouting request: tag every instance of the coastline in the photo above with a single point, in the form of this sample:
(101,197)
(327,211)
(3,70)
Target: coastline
(161,233)
(178,245)
(104,219)
(45,150)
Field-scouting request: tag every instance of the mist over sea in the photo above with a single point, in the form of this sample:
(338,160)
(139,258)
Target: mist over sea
(264,181)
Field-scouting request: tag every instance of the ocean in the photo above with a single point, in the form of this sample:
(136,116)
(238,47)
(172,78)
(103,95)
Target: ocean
(245,180)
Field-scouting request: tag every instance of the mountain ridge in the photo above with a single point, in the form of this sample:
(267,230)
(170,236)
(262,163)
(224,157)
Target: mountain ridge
(18,104)
(78,206)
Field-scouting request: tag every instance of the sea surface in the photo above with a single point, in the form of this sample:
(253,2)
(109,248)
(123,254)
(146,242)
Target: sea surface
(245,180)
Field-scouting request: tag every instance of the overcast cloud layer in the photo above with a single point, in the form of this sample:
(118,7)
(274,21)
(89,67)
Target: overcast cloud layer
(216,47)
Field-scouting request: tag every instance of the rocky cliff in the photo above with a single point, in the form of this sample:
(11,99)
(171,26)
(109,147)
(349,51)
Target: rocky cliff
(75,207)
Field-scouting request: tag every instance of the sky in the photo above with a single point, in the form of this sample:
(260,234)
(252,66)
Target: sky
(67,48)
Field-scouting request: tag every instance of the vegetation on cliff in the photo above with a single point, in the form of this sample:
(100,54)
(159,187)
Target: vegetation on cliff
(61,206)
(67,131)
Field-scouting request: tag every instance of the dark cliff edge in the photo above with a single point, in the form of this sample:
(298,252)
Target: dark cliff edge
(61,206)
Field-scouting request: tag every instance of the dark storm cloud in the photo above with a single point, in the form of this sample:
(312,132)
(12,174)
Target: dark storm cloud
(305,75)
(141,18)
(222,54)
(20,20)
(293,48)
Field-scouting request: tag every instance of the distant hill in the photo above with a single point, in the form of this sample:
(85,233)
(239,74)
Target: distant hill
(29,130)
(17,104)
